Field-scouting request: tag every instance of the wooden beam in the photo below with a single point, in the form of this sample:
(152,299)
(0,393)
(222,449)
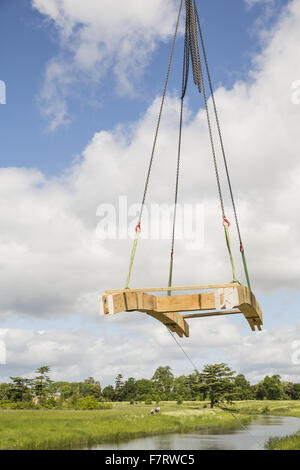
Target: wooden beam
(172,320)
(129,301)
(166,289)
(212,314)
(185,303)
(250,308)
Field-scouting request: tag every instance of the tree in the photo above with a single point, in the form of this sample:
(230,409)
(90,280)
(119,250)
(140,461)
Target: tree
(129,390)
(90,381)
(218,383)
(89,387)
(5,391)
(295,393)
(64,388)
(143,388)
(96,391)
(163,380)
(109,393)
(19,389)
(195,384)
(243,389)
(118,387)
(288,388)
(270,388)
(42,382)
(181,388)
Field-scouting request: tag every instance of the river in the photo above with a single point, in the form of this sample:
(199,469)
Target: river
(254,438)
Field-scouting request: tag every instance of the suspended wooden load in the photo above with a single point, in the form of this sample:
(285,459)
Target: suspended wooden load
(225,299)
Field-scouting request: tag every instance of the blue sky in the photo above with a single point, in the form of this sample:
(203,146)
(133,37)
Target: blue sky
(28,41)
(53,176)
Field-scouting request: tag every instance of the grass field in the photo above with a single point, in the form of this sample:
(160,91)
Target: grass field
(71,429)
(275,408)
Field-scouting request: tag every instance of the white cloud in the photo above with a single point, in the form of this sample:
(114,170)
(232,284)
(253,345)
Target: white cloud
(268,353)
(77,354)
(52,263)
(97,37)
(254,2)
(48,226)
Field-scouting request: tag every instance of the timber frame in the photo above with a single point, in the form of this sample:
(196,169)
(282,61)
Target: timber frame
(226,299)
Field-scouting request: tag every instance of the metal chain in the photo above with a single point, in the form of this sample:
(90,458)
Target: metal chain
(212,143)
(160,112)
(176,196)
(193,43)
(192,24)
(186,60)
(242,250)
(218,124)
(191,48)
(138,228)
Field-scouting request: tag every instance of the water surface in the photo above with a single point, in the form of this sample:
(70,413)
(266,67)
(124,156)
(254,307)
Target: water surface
(254,438)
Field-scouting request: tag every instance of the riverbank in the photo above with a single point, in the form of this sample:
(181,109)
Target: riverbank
(73,429)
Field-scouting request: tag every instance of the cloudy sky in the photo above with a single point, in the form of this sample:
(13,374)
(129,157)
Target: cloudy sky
(83,87)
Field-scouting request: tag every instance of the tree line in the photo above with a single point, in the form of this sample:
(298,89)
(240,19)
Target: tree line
(216,383)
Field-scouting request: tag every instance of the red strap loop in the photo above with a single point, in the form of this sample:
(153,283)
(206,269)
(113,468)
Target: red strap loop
(138,227)
(226,221)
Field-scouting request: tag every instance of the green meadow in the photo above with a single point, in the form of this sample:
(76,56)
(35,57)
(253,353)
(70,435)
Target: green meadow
(73,429)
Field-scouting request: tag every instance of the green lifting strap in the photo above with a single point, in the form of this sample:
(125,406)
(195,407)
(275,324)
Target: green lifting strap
(245,266)
(226,229)
(137,235)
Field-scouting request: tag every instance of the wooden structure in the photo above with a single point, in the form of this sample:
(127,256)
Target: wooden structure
(225,299)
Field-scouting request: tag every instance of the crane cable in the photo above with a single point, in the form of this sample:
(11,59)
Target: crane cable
(188,39)
(195,368)
(138,227)
(192,50)
(242,250)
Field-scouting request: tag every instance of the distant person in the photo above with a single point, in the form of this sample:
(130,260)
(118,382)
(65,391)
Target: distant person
(157,410)
(152,411)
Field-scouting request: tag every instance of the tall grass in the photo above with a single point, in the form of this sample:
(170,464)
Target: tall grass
(284,443)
